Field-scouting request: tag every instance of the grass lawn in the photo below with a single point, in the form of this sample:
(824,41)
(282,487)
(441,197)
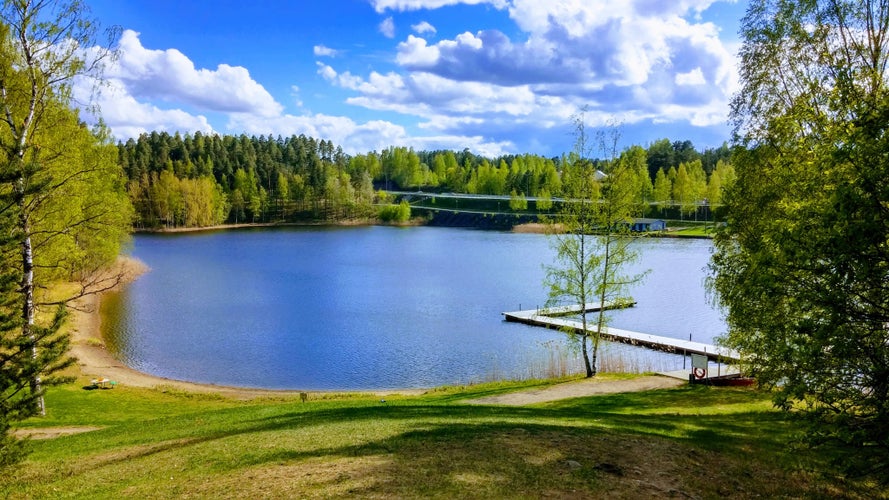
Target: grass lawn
(693,441)
(693,229)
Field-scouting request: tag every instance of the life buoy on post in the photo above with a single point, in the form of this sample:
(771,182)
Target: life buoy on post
(699,366)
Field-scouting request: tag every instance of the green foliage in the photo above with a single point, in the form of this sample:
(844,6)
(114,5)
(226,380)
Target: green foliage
(63,211)
(593,251)
(169,201)
(544,201)
(662,189)
(722,178)
(517,202)
(395,213)
(263,178)
(634,160)
(802,265)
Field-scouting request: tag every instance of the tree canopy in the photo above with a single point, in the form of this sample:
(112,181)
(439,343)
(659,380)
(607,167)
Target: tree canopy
(802,265)
(63,211)
(206,179)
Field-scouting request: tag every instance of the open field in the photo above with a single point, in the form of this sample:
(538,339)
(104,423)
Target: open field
(694,442)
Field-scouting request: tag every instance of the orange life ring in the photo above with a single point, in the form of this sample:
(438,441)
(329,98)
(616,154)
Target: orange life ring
(699,372)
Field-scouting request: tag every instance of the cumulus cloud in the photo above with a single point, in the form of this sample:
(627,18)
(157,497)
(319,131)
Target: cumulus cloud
(152,90)
(355,138)
(394,92)
(387,27)
(423,27)
(693,77)
(632,62)
(323,51)
(170,75)
(405,5)
(128,117)
(452,108)
(643,59)
(326,72)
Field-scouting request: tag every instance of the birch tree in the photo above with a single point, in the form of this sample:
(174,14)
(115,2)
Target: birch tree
(62,200)
(802,264)
(593,247)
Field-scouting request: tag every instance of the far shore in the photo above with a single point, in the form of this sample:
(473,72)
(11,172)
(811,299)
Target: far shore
(526,228)
(248,225)
(530,227)
(96,362)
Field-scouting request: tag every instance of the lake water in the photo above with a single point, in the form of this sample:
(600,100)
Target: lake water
(374,307)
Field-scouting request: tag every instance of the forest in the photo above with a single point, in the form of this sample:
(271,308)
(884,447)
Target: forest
(202,180)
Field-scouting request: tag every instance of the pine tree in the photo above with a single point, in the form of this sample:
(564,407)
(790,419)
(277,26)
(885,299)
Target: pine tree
(63,209)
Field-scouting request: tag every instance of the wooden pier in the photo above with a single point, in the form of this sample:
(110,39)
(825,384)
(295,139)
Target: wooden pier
(574,309)
(548,318)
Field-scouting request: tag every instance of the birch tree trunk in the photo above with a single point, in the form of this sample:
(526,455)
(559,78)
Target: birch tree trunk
(43,48)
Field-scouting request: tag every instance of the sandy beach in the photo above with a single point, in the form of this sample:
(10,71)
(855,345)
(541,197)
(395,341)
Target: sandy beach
(539,228)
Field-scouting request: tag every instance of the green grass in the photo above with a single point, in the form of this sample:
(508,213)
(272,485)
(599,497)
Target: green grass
(695,441)
(698,231)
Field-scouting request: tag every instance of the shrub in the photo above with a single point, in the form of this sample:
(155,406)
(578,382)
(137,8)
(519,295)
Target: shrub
(395,213)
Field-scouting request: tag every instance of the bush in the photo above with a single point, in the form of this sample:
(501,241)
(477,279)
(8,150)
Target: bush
(395,213)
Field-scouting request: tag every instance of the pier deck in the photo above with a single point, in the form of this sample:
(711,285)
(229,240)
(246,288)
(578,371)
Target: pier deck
(547,318)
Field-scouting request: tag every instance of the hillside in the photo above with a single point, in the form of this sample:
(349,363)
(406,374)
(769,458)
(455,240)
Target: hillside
(693,442)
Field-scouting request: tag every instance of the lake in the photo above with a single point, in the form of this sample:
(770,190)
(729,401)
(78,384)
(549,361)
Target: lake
(374,307)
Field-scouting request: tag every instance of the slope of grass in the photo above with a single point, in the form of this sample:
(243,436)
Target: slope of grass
(693,441)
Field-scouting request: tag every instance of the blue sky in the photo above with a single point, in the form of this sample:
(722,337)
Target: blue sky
(494,76)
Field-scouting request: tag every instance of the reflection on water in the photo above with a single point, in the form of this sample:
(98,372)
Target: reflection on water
(374,307)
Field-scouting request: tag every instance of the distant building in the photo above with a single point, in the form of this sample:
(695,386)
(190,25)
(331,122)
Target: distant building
(645,225)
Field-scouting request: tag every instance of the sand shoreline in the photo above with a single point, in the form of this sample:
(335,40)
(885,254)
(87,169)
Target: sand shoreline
(94,361)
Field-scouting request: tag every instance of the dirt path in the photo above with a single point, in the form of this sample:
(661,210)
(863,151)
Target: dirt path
(586,387)
(51,432)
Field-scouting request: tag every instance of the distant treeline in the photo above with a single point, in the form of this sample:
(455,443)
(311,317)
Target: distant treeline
(202,180)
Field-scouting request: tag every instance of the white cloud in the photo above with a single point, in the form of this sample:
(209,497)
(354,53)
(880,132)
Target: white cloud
(423,27)
(127,117)
(634,59)
(170,75)
(419,93)
(153,90)
(693,77)
(326,72)
(294,93)
(323,51)
(461,109)
(387,27)
(477,144)
(673,7)
(469,40)
(416,52)
(405,5)
(374,135)
(634,62)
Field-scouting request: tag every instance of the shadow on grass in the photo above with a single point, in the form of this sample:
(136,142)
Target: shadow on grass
(635,413)
(420,445)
